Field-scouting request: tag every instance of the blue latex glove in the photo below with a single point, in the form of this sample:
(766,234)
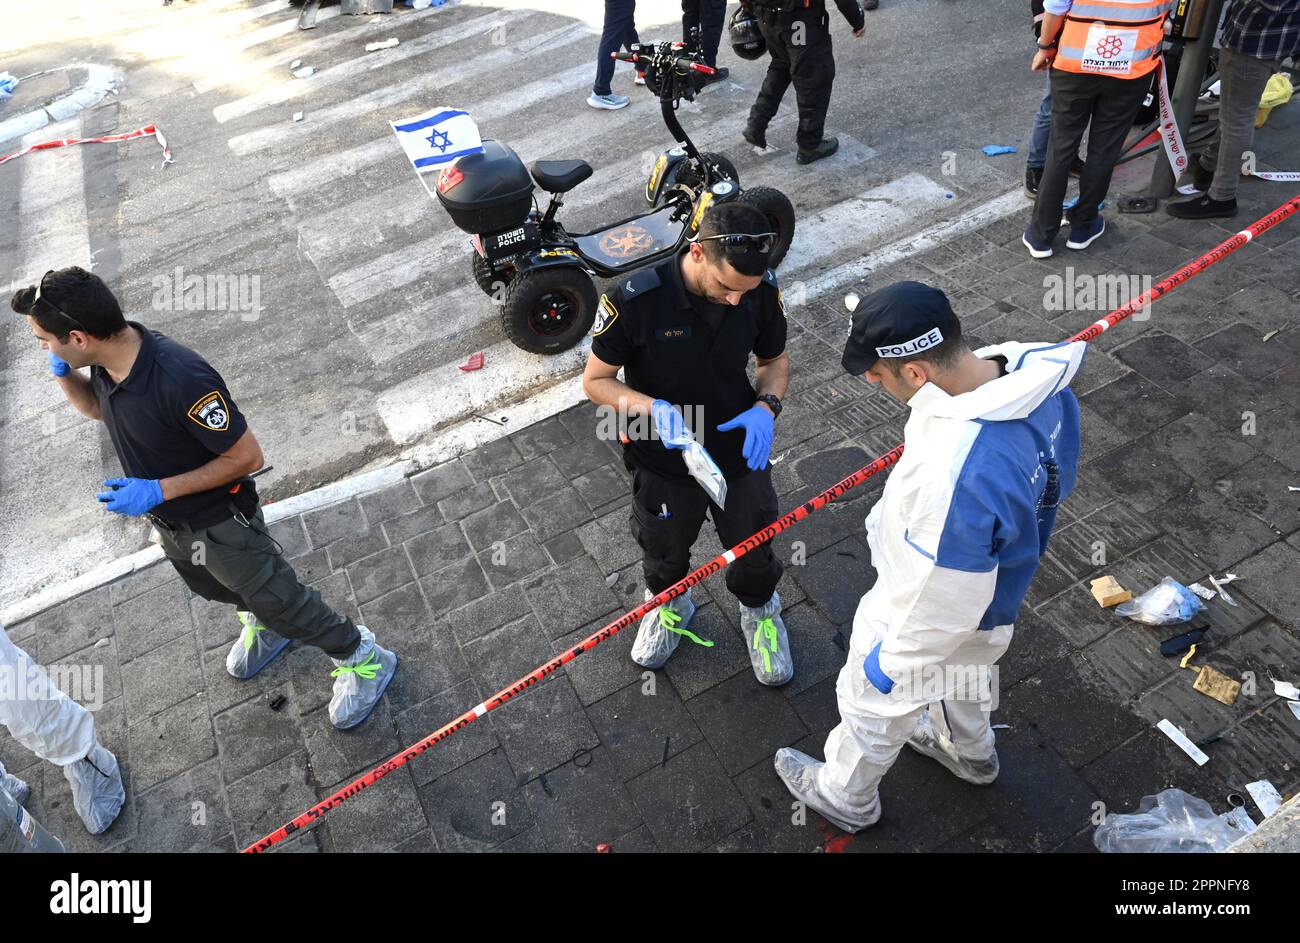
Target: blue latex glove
(669,424)
(131,496)
(757,421)
(58,366)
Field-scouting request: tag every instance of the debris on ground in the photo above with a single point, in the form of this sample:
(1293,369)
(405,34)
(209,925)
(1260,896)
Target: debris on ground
(1201,591)
(611,579)
(1107,591)
(1167,727)
(1172,821)
(277,702)
(7,84)
(297,116)
(993,150)
(1220,583)
(1214,683)
(851,301)
(1266,796)
(384,44)
(475,362)
(1180,643)
(1285,689)
(305,72)
(1167,602)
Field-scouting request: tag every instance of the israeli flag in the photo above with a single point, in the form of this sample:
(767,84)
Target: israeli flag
(437,137)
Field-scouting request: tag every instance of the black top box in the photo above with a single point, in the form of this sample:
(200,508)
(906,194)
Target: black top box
(487,192)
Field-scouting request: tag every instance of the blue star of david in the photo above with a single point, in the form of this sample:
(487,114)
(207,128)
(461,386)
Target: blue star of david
(442,144)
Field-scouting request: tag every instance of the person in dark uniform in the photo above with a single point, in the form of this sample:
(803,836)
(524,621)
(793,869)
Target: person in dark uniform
(798,37)
(188,453)
(683,332)
(707,17)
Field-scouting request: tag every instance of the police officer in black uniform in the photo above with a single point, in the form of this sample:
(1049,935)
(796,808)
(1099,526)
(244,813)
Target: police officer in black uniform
(188,453)
(798,37)
(683,332)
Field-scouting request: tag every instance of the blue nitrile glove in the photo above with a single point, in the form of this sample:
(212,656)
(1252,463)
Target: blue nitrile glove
(58,366)
(669,424)
(757,422)
(131,496)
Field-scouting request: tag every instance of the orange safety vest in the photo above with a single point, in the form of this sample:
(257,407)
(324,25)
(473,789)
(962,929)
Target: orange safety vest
(1112,37)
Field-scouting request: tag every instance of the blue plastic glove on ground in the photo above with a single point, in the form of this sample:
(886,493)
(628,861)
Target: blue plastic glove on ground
(58,366)
(131,496)
(669,424)
(757,421)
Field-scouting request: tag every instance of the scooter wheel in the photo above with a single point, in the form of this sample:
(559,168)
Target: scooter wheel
(493,283)
(778,209)
(548,310)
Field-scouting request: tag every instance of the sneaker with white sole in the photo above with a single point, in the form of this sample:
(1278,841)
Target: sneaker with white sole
(1039,250)
(360,681)
(927,741)
(661,629)
(610,102)
(799,773)
(769,646)
(1083,235)
(254,649)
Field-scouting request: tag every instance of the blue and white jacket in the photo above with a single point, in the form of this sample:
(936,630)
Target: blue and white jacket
(968,510)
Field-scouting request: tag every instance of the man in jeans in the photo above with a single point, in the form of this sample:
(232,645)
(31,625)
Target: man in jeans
(1101,60)
(1257,35)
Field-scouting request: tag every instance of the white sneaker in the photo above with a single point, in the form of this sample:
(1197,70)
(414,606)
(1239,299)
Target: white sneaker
(610,102)
(927,741)
(661,629)
(799,773)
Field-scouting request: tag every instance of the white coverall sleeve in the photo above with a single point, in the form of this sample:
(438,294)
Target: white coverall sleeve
(941,583)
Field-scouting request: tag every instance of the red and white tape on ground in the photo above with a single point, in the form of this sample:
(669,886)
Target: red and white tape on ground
(146,131)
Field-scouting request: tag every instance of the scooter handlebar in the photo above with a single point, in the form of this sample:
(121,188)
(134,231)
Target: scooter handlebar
(681,62)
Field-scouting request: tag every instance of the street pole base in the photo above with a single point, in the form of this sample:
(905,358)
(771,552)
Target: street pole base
(1137,204)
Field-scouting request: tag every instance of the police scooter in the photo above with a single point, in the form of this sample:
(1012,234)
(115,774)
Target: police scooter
(542,275)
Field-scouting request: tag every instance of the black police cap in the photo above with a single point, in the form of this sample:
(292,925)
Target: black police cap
(901,320)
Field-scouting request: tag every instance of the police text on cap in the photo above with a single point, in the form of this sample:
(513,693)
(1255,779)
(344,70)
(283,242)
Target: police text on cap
(927,340)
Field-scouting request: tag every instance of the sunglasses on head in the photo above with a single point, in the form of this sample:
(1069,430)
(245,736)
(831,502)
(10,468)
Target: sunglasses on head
(761,241)
(45,298)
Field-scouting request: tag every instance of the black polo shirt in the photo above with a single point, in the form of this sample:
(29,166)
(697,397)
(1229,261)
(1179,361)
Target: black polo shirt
(679,347)
(171,415)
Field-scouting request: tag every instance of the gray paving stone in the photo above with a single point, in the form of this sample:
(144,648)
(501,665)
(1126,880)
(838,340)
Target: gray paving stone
(160,678)
(1254,486)
(222,692)
(1224,395)
(498,658)
(426,668)
(438,548)
(1222,532)
(90,676)
(403,528)
(608,539)
(583,803)
(745,721)
(1197,715)
(69,626)
(530,842)
(312,567)
(556,513)
(541,438)
(493,525)
(489,460)
(442,481)
(1129,660)
(188,813)
(584,455)
(380,573)
(422,842)
(477,806)
(690,803)
(600,671)
(335,754)
(836,579)
(347,550)
(481,616)
(640,729)
(543,728)
(140,582)
(814,645)
(398,614)
(602,485)
(380,817)
(328,524)
(170,742)
(387,503)
(532,480)
(454,586)
(694,668)
(252,734)
(151,619)
(291,536)
(1278,431)
(271,796)
(468,743)
(568,546)
(467,501)
(1135,404)
(1270,651)
(571,594)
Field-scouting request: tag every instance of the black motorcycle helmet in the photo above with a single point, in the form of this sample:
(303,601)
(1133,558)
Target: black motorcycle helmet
(746,41)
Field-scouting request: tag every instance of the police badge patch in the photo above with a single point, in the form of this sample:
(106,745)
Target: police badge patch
(606,314)
(211,412)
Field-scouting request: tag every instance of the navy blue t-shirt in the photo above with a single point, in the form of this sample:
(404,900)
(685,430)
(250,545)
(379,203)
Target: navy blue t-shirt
(171,415)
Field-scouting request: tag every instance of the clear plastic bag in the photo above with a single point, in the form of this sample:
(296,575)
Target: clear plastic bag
(1167,602)
(1171,821)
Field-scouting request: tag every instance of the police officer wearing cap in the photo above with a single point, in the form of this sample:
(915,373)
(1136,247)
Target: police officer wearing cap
(683,333)
(187,455)
(798,37)
(991,449)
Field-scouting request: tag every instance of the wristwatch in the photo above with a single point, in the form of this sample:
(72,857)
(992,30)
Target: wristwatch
(772,401)
(1051,45)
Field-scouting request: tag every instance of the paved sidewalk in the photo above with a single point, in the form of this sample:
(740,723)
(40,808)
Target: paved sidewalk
(481,569)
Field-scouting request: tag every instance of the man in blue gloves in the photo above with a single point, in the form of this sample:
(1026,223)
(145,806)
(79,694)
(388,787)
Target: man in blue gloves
(683,332)
(188,455)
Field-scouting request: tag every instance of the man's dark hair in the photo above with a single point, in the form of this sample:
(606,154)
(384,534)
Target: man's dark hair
(71,299)
(724,219)
(943,355)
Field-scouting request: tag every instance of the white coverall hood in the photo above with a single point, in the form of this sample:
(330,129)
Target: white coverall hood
(1034,373)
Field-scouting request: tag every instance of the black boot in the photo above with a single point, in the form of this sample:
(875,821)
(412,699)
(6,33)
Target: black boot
(1202,207)
(755,136)
(826,148)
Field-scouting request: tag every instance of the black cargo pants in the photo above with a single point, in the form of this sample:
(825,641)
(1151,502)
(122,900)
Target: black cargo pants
(799,46)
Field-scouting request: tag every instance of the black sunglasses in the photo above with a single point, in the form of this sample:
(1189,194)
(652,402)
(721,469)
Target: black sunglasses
(45,298)
(761,241)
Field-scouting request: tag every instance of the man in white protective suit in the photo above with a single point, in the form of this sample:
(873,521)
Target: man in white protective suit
(58,729)
(991,447)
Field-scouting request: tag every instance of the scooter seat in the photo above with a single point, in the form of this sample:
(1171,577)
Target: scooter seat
(559,176)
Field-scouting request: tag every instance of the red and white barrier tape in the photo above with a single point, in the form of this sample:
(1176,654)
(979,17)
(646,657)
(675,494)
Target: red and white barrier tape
(146,131)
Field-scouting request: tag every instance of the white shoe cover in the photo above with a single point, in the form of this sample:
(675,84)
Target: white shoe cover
(928,742)
(799,773)
(360,681)
(769,646)
(97,790)
(655,641)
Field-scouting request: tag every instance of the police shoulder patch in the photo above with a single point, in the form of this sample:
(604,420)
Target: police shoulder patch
(211,412)
(606,315)
(769,276)
(643,280)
